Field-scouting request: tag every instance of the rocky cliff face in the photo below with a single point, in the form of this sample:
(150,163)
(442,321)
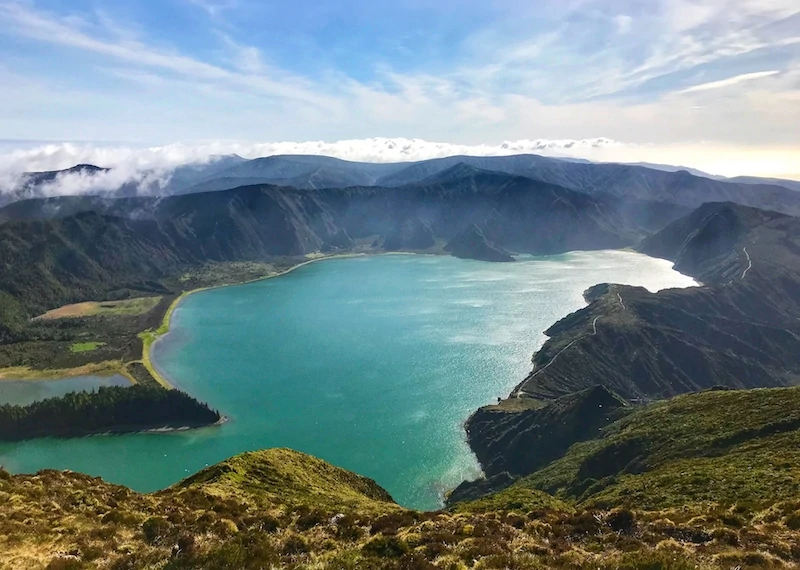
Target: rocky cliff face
(534,437)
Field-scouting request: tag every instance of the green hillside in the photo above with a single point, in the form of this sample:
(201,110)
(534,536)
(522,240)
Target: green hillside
(706,480)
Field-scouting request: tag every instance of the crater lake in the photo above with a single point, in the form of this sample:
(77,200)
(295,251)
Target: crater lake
(371,363)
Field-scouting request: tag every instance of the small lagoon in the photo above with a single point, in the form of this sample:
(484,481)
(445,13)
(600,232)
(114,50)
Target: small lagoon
(372,363)
(24,392)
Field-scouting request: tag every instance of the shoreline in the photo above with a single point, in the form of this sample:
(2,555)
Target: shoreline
(150,338)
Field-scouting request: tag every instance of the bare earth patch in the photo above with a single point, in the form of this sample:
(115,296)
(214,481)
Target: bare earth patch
(136,306)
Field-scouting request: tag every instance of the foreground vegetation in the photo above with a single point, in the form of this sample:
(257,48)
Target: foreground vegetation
(710,481)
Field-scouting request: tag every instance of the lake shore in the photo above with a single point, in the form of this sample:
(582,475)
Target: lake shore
(150,338)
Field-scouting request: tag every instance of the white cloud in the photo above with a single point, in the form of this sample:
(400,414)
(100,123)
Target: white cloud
(130,160)
(730,81)
(571,70)
(214,7)
(84,35)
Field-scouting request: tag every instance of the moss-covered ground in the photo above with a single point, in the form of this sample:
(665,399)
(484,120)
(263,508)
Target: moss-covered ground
(280,508)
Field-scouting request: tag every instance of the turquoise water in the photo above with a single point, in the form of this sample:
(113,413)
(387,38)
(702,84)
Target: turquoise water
(24,392)
(371,363)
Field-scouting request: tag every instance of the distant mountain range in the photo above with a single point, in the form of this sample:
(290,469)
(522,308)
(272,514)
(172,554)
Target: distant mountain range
(62,250)
(641,182)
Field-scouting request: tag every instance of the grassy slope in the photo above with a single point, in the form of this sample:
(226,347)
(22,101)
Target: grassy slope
(292,478)
(728,447)
(280,508)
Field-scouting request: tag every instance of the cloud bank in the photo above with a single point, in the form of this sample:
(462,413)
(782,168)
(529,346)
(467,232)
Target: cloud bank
(150,169)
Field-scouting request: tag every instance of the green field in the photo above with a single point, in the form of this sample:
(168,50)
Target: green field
(80,347)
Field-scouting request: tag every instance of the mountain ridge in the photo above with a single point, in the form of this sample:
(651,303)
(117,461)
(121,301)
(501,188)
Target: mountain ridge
(738,330)
(316,172)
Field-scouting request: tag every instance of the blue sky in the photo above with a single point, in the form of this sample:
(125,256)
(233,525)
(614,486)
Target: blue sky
(713,82)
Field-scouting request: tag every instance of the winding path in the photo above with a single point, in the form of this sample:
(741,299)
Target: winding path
(519,392)
(749,263)
(621,302)
(546,366)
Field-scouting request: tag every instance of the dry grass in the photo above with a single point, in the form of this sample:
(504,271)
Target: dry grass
(106,368)
(284,509)
(138,306)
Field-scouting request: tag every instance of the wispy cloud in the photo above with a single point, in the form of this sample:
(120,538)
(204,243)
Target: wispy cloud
(647,73)
(93,37)
(214,7)
(730,81)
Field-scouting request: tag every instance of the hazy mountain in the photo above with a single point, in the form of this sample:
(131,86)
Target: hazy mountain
(146,183)
(632,182)
(673,168)
(790,184)
(188,175)
(621,180)
(299,171)
(35,184)
(61,250)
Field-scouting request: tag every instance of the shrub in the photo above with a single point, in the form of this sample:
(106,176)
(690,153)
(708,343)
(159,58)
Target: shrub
(310,518)
(621,520)
(792,521)
(118,516)
(186,544)
(478,548)
(385,547)
(156,530)
(267,523)
(725,536)
(645,560)
(391,523)
(347,528)
(65,563)
(295,544)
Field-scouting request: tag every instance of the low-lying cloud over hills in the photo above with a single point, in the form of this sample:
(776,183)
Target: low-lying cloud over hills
(151,170)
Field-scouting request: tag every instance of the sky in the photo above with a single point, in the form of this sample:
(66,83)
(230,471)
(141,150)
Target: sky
(711,84)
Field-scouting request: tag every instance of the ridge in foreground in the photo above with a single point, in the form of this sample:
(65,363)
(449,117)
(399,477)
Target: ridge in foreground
(682,486)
